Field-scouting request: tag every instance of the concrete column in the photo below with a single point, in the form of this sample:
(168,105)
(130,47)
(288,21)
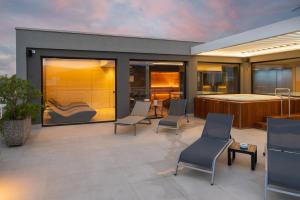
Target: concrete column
(245,78)
(147,79)
(122,76)
(191,82)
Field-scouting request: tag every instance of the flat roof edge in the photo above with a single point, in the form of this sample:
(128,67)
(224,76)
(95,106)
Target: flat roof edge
(102,34)
(264,32)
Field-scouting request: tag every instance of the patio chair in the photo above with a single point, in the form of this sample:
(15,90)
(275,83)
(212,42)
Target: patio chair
(176,113)
(137,115)
(203,153)
(283,157)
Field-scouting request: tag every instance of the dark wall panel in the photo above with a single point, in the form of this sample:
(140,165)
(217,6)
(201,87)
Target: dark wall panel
(34,70)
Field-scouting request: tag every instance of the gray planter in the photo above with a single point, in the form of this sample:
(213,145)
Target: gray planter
(16,132)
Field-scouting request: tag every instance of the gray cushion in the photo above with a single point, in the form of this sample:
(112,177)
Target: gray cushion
(177,107)
(130,120)
(283,169)
(141,108)
(170,121)
(284,134)
(202,152)
(218,126)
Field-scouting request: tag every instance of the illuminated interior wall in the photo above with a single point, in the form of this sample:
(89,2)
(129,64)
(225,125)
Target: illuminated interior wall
(276,74)
(165,85)
(70,81)
(217,78)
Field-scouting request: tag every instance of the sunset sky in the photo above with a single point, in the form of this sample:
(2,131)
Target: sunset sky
(195,20)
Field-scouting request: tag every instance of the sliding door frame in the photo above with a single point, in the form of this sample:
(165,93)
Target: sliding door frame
(160,60)
(82,58)
(265,61)
(229,63)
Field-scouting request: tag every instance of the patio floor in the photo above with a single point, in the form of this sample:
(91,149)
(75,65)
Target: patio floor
(90,162)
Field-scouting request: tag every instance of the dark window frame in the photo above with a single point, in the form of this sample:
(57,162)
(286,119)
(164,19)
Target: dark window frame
(229,63)
(81,58)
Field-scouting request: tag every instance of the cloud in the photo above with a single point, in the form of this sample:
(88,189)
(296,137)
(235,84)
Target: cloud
(196,20)
(7,61)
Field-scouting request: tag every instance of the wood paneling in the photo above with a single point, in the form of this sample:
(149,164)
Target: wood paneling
(246,113)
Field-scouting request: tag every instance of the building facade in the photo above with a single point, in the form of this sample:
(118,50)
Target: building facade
(87,77)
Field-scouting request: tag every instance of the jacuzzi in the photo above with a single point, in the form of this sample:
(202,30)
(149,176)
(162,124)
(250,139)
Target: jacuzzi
(248,109)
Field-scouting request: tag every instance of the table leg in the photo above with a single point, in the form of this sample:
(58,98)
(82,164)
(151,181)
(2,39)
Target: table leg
(253,163)
(255,157)
(233,156)
(229,157)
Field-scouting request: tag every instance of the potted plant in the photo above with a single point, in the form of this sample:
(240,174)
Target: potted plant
(18,95)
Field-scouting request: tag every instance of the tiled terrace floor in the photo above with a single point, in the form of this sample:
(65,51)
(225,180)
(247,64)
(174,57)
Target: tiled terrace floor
(90,162)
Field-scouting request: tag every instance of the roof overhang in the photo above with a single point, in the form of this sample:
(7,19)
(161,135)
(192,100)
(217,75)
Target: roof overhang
(278,37)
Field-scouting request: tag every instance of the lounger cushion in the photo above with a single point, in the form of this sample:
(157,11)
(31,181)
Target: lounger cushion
(130,120)
(170,121)
(74,115)
(177,107)
(283,169)
(284,134)
(202,152)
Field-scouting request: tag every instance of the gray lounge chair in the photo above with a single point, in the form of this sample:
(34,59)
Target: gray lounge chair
(138,114)
(283,157)
(203,153)
(74,115)
(53,102)
(177,112)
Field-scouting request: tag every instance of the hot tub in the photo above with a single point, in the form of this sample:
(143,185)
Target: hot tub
(248,109)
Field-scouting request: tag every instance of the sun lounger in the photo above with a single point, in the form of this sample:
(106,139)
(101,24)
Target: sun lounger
(203,153)
(137,115)
(177,112)
(283,157)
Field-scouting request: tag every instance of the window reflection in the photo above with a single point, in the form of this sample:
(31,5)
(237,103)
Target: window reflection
(78,90)
(276,74)
(156,81)
(215,78)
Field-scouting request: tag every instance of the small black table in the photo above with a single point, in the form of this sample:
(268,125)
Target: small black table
(235,148)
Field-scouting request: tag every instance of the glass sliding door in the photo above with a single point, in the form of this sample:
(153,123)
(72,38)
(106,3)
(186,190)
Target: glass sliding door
(266,76)
(78,91)
(266,79)
(217,78)
(157,81)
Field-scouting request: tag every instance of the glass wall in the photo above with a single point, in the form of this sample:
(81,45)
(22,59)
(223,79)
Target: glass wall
(267,76)
(156,80)
(217,78)
(78,90)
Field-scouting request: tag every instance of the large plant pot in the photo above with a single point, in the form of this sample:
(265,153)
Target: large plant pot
(16,132)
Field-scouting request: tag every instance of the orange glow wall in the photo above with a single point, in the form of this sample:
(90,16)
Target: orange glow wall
(164,84)
(165,79)
(79,80)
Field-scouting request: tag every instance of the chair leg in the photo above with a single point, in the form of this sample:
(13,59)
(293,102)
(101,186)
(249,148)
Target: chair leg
(212,178)
(266,191)
(175,174)
(115,129)
(157,129)
(213,173)
(177,128)
(266,194)
(187,119)
(134,129)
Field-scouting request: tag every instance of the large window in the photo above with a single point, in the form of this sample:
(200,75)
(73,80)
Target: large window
(276,74)
(78,90)
(216,78)
(156,80)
